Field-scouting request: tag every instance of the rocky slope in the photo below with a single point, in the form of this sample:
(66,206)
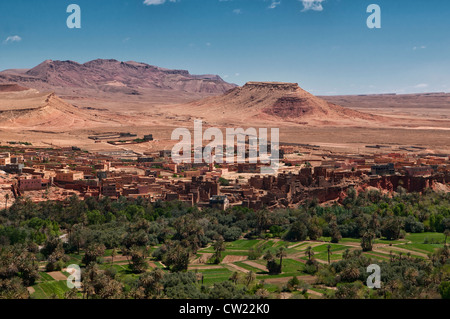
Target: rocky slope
(48,112)
(113,76)
(273,101)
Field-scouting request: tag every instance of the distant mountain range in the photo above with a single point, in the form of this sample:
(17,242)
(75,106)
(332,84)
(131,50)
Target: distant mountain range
(113,76)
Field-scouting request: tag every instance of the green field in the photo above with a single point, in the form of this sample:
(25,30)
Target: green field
(46,287)
(419,238)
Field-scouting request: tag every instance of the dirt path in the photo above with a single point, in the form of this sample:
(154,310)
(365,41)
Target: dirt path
(398,249)
(300,260)
(275,281)
(233,258)
(321,261)
(415,250)
(285,295)
(116,258)
(202,259)
(297,244)
(200,267)
(152,264)
(371,254)
(255,265)
(316,293)
(236,268)
(326,287)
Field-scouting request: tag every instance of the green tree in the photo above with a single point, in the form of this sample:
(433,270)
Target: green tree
(113,254)
(280,254)
(138,262)
(329,252)
(219,247)
(446,234)
(297,232)
(249,278)
(391,228)
(334,231)
(177,257)
(272,266)
(93,252)
(293,283)
(367,240)
(444,289)
(224,181)
(314,228)
(234,277)
(310,253)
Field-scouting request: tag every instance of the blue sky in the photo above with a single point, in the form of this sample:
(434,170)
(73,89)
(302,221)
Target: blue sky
(324,45)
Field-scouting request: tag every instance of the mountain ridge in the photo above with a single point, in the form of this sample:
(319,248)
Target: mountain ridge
(100,74)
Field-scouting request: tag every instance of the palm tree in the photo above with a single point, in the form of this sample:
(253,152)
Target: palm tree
(447,234)
(249,278)
(113,254)
(219,247)
(309,252)
(367,240)
(268,256)
(280,254)
(6,201)
(235,277)
(346,254)
(329,253)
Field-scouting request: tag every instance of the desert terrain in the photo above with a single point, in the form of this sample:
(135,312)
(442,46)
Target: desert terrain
(63,103)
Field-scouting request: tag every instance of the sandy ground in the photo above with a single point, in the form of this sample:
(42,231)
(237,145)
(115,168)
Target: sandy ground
(234,267)
(256,265)
(232,258)
(46,120)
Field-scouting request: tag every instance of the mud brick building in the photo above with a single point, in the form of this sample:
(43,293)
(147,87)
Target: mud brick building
(385,169)
(31,183)
(219,202)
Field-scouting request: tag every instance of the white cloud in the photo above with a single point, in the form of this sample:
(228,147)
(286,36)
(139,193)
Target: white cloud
(315,5)
(419,48)
(237,11)
(421,86)
(156,2)
(13,38)
(274,4)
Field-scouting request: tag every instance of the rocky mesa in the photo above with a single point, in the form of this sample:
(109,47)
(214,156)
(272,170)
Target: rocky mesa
(273,101)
